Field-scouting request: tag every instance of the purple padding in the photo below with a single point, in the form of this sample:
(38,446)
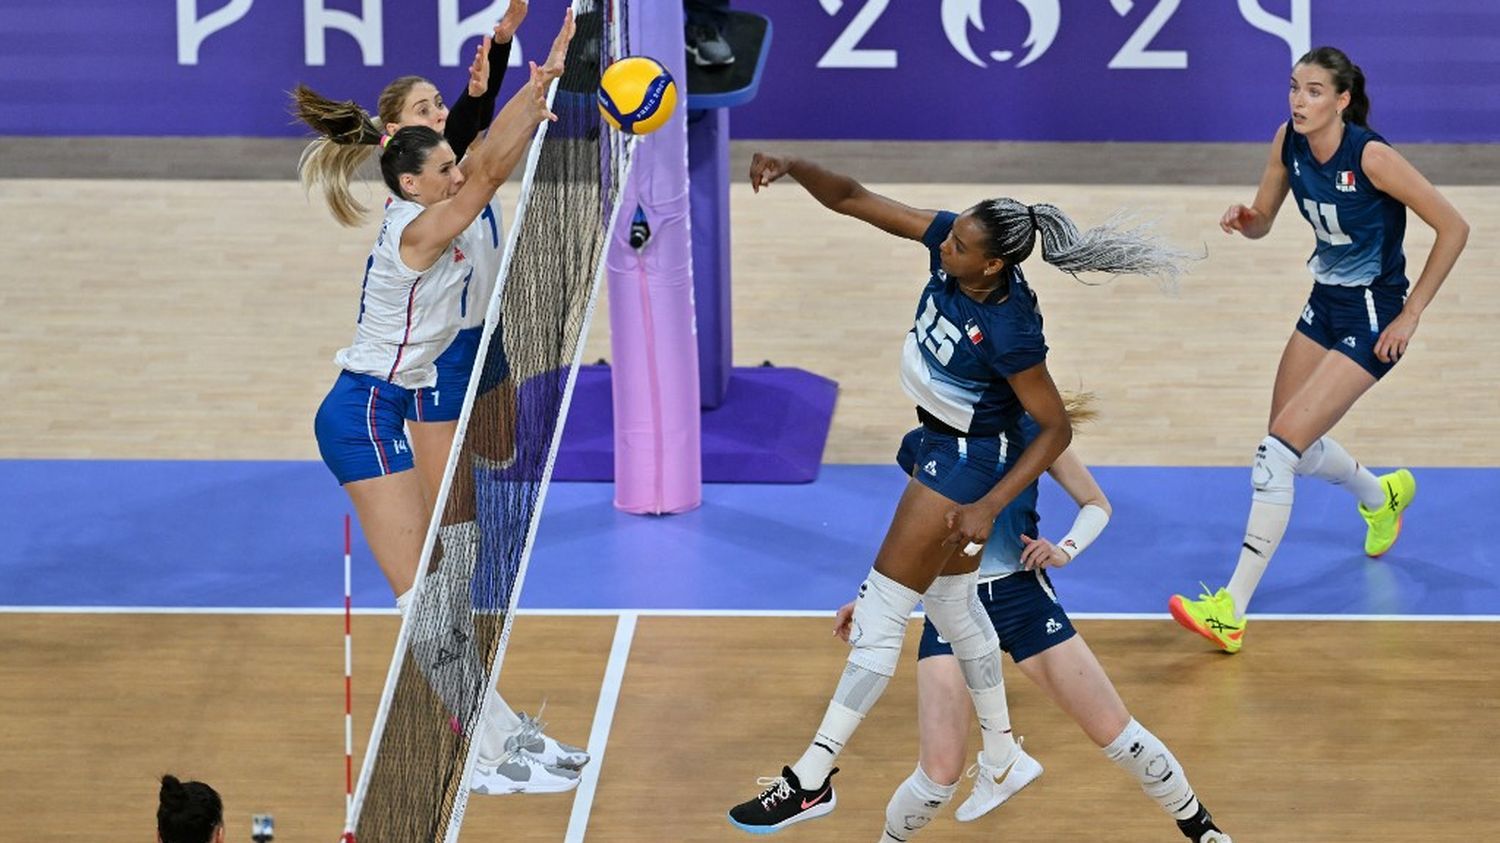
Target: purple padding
(771,428)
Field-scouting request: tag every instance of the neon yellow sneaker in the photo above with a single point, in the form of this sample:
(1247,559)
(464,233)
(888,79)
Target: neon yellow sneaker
(1385,522)
(1211,616)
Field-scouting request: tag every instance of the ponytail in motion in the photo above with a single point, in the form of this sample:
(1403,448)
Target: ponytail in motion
(1114,247)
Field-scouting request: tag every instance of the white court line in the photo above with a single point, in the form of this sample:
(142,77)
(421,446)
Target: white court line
(604,718)
(690,613)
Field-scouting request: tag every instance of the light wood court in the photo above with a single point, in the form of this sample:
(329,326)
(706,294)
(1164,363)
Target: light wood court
(198,320)
(1366,731)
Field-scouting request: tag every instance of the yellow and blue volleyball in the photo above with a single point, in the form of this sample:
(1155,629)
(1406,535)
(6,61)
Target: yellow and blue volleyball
(637,95)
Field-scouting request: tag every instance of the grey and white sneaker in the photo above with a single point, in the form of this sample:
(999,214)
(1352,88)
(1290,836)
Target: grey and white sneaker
(533,741)
(994,785)
(519,772)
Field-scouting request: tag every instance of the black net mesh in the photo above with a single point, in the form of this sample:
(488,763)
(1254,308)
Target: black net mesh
(456,631)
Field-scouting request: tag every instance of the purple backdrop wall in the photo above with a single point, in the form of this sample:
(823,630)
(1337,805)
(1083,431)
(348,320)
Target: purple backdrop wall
(1166,70)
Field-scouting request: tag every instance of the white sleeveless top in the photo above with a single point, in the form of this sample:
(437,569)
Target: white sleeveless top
(407,318)
(484,244)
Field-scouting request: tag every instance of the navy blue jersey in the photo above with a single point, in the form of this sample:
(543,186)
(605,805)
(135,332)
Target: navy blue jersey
(1359,229)
(959,353)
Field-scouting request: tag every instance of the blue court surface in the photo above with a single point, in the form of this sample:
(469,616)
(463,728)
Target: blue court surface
(270,535)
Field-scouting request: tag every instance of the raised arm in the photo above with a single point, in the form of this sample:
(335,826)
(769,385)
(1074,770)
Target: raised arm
(474,109)
(427,236)
(842,194)
(1255,221)
(1394,175)
(1039,396)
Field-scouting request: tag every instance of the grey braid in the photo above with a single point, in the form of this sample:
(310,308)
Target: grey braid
(1120,246)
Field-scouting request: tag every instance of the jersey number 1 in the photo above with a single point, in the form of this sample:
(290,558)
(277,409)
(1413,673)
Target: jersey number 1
(1327,213)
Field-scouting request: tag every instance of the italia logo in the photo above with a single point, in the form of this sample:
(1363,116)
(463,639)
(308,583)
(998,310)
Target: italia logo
(1344,181)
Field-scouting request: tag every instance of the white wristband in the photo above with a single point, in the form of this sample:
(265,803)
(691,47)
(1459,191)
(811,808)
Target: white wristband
(1086,527)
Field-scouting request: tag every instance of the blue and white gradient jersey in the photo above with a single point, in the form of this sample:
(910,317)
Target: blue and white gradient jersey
(484,244)
(959,353)
(406,318)
(1359,229)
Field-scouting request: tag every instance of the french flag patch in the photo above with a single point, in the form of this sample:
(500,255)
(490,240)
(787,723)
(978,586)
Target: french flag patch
(1344,181)
(971,328)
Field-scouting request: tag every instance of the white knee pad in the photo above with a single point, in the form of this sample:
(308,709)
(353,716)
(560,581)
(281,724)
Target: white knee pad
(953,606)
(879,626)
(1274,470)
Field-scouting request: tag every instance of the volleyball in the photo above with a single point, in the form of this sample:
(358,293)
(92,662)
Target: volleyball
(637,95)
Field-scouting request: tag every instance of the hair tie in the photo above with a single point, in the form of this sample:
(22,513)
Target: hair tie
(384,139)
(1031,212)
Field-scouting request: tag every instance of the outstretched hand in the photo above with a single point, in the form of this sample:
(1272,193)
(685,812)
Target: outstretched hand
(765,169)
(479,69)
(559,51)
(536,101)
(511,21)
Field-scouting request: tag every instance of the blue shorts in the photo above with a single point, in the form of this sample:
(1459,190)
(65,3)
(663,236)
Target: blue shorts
(445,401)
(1025,612)
(962,469)
(361,428)
(1349,320)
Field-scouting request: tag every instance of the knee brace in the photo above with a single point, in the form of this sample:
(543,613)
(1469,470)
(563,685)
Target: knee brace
(953,605)
(1274,470)
(879,625)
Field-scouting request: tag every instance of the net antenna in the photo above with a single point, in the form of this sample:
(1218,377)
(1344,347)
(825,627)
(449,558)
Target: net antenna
(414,783)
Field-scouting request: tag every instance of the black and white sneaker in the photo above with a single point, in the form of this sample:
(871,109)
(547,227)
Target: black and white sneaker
(1200,828)
(707,46)
(782,803)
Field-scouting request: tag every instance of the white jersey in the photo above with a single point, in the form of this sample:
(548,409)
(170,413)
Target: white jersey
(484,244)
(407,318)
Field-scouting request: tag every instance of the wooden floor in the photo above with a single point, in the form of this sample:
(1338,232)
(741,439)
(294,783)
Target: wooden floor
(197,320)
(1329,731)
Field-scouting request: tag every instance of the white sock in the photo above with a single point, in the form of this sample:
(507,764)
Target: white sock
(1144,756)
(1272,475)
(501,723)
(816,763)
(1327,459)
(916,801)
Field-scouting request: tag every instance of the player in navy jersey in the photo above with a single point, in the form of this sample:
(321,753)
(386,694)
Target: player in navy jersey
(1035,630)
(410,310)
(1354,189)
(974,361)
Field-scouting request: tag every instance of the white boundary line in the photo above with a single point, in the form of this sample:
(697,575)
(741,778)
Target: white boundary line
(692,613)
(604,718)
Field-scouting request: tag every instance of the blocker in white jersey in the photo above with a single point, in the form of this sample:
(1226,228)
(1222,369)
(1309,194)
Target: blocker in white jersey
(443,401)
(406,317)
